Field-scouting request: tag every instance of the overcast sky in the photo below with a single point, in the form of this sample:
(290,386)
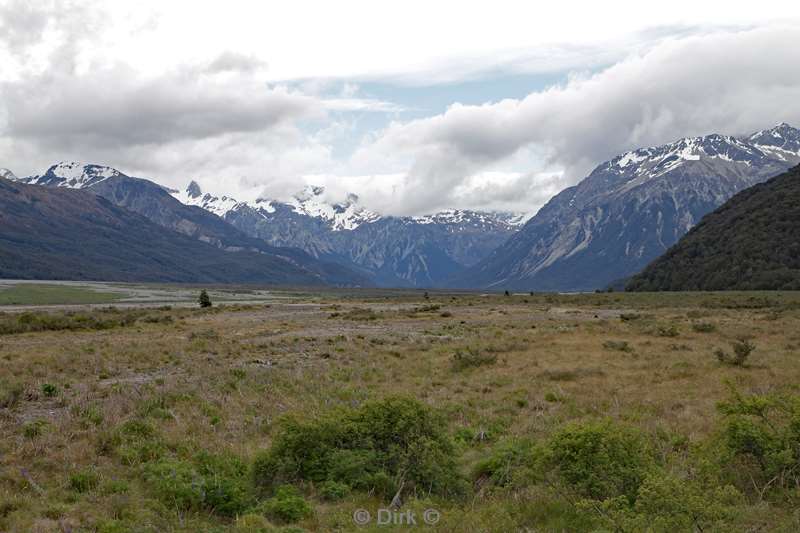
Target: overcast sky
(415,106)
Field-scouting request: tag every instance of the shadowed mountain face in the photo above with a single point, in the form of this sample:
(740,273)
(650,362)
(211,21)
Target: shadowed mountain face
(157,204)
(752,242)
(631,209)
(394,251)
(49,233)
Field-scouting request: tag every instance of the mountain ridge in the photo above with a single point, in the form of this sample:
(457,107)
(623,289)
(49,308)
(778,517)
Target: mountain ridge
(748,243)
(629,210)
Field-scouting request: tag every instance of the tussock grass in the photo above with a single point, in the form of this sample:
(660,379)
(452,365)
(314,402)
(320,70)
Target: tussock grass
(117,420)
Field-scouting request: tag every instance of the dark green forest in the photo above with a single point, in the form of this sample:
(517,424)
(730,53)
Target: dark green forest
(752,242)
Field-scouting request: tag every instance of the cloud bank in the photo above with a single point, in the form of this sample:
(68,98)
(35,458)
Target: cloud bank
(222,120)
(729,82)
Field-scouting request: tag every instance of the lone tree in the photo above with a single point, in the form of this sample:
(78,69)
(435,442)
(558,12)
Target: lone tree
(204,300)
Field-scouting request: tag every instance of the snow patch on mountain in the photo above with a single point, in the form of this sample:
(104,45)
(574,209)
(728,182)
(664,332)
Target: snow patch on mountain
(346,215)
(73,175)
(7,174)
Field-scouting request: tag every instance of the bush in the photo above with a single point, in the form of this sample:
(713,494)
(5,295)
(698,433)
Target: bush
(471,358)
(704,327)
(212,482)
(741,351)
(333,490)
(599,460)
(620,346)
(10,394)
(510,462)
(83,481)
(667,503)
(287,506)
(761,435)
(204,300)
(376,447)
(49,390)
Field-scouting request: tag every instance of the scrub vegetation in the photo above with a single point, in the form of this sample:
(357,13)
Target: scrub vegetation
(599,412)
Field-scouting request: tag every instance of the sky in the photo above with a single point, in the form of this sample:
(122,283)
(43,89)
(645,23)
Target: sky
(415,106)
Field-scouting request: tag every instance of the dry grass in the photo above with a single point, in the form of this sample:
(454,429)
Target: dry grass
(219,380)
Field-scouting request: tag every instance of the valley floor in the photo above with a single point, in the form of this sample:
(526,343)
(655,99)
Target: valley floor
(103,412)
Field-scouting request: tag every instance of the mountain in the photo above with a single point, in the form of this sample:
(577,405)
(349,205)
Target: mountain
(394,251)
(157,204)
(750,243)
(63,233)
(631,209)
(7,174)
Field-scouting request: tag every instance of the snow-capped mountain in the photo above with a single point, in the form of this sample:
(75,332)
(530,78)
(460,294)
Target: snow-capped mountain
(630,209)
(7,174)
(72,174)
(405,251)
(309,202)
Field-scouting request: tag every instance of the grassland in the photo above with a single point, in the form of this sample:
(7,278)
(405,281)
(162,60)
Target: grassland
(44,294)
(156,419)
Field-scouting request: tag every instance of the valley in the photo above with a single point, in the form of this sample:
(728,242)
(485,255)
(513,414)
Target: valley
(157,417)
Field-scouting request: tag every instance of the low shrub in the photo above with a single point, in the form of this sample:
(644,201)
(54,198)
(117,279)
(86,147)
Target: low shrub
(286,506)
(620,346)
(377,447)
(741,352)
(704,327)
(333,490)
(10,394)
(216,483)
(511,462)
(598,460)
(761,434)
(667,503)
(83,481)
(471,358)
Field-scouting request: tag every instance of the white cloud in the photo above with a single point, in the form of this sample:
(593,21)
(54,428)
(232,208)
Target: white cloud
(730,82)
(247,97)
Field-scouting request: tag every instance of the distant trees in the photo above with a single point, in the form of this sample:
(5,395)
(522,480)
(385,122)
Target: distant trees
(204,300)
(749,243)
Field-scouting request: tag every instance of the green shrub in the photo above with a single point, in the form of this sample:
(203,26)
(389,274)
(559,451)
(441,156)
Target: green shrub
(286,506)
(599,460)
(741,352)
(704,327)
(471,358)
(372,448)
(666,503)
(212,482)
(49,390)
(83,481)
(620,346)
(34,428)
(761,434)
(510,462)
(333,490)
(10,394)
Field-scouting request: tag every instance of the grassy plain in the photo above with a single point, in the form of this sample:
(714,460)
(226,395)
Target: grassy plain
(44,294)
(101,424)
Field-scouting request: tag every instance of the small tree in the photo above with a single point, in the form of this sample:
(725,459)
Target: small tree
(204,300)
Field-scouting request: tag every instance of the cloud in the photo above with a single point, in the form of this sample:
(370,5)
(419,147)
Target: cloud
(114,107)
(731,82)
(235,62)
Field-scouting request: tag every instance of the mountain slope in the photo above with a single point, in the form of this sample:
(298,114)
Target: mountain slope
(157,204)
(752,242)
(48,233)
(630,209)
(393,251)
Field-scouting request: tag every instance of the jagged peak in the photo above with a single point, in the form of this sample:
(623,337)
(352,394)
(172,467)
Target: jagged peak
(7,174)
(193,190)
